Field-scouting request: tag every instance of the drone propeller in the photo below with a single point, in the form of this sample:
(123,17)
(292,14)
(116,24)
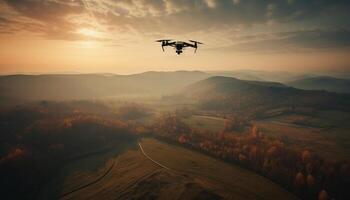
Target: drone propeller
(196,42)
(164,40)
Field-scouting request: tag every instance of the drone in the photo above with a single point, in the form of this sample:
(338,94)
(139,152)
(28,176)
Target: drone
(179,45)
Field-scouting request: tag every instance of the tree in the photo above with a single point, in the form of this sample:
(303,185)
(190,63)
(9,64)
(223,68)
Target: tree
(299,180)
(305,156)
(323,195)
(182,139)
(310,180)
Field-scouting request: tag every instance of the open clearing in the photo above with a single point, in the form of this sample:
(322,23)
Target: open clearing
(83,171)
(322,134)
(206,122)
(187,175)
(228,181)
(137,177)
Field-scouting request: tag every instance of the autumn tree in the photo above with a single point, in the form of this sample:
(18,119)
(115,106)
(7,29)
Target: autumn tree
(310,180)
(305,156)
(299,182)
(323,195)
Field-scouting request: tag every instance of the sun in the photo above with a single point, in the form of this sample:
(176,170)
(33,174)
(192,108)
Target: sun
(89,32)
(90,36)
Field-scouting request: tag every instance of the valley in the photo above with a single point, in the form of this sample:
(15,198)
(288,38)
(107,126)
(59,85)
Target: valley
(215,138)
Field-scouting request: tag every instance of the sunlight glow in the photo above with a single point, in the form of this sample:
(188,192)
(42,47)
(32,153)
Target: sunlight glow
(89,32)
(88,44)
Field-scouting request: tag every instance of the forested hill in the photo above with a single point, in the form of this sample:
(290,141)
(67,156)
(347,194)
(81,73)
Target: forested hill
(230,93)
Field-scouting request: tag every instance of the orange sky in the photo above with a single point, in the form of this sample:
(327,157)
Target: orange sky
(48,36)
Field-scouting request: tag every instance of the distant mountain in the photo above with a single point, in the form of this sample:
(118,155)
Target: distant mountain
(258,75)
(322,83)
(165,82)
(227,85)
(230,93)
(86,86)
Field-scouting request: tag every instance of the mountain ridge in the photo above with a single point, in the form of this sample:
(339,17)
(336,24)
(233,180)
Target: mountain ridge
(230,93)
(87,86)
(327,83)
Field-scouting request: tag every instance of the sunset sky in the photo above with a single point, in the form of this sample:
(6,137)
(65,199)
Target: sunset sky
(117,36)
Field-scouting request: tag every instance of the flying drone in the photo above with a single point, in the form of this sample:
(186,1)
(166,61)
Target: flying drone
(179,45)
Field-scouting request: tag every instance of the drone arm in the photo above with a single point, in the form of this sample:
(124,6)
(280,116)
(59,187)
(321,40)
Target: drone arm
(163,48)
(188,45)
(170,43)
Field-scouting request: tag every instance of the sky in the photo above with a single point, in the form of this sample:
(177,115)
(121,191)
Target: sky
(118,36)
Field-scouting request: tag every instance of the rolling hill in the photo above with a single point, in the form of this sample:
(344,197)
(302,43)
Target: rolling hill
(259,75)
(230,93)
(87,86)
(323,83)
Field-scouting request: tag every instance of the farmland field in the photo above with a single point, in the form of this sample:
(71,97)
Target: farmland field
(228,181)
(190,175)
(325,133)
(135,176)
(82,171)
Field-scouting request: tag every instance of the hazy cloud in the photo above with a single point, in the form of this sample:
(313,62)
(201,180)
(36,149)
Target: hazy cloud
(46,18)
(211,3)
(292,41)
(62,19)
(236,2)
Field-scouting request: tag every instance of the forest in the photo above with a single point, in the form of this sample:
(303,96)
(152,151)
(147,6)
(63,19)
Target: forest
(38,139)
(306,174)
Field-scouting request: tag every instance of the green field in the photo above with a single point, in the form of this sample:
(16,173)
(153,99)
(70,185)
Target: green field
(206,122)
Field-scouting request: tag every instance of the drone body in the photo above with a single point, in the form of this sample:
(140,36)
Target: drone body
(179,45)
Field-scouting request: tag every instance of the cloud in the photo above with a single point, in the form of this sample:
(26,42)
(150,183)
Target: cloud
(291,41)
(46,18)
(62,20)
(44,10)
(210,3)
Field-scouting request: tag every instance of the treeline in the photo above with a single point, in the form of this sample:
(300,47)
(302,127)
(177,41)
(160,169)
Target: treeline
(132,111)
(37,140)
(304,173)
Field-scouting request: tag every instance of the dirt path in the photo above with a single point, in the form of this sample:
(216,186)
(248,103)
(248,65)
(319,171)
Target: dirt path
(90,183)
(197,174)
(143,152)
(108,171)
(288,124)
(211,117)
